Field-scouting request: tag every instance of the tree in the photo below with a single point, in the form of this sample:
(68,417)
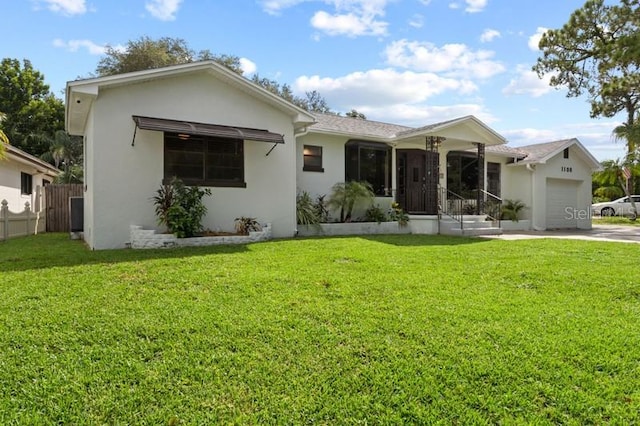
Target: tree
(312,101)
(597,53)
(355,114)
(146,53)
(344,196)
(612,174)
(63,150)
(4,140)
(29,106)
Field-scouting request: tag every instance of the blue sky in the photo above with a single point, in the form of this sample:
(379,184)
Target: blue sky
(411,62)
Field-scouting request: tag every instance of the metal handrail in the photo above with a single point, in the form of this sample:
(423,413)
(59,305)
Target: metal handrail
(451,204)
(492,206)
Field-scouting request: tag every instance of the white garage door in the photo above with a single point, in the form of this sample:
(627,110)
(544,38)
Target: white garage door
(562,203)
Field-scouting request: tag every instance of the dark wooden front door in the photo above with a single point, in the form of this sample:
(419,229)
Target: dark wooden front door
(417,174)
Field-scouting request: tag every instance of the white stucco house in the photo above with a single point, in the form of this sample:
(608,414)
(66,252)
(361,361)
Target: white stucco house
(214,128)
(22,177)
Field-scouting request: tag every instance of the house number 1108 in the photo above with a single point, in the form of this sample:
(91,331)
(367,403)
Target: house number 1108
(567,169)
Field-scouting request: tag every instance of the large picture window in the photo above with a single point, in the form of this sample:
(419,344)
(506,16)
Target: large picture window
(369,162)
(204,160)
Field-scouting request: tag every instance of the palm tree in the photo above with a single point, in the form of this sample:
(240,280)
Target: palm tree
(630,133)
(63,150)
(344,195)
(612,172)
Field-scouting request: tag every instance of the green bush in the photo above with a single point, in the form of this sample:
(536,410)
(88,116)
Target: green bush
(375,214)
(180,208)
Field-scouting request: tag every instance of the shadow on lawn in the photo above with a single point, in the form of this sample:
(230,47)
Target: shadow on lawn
(57,250)
(413,240)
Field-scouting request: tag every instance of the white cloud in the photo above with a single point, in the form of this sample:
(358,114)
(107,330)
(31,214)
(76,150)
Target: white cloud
(534,40)
(454,6)
(452,59)
(349,24)
(420,115)
(164,10)
(417,21)
(528,83)
(248,67)
(349,17)
(425,2)
(273,7)
(475,6)
(67,7)
(489,35)
(382,87)
(75,45)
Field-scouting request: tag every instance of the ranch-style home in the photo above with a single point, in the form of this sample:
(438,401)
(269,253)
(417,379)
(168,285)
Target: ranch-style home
(211,127)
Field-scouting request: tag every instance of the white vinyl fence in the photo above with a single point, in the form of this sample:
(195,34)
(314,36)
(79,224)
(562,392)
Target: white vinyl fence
(20,224)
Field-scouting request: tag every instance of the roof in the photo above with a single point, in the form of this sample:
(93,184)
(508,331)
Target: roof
(80,94)
(22,157)
(357,127)
(542,152)
(506,151)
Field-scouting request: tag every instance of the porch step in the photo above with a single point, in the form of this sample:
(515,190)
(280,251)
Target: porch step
(474,226)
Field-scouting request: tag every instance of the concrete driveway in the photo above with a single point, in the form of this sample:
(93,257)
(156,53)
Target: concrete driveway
(616,233)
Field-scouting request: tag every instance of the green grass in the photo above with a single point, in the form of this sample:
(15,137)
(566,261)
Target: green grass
(376,330)
(615,220)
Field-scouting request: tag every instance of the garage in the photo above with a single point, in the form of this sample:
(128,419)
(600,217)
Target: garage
(562,203)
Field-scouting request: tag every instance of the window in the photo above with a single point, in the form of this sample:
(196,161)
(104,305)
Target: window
(566,153)
(312,158)
(369,162)
(204,160)
(26,184)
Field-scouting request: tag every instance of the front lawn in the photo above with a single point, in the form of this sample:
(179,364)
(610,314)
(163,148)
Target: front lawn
(376,330)
(615,220)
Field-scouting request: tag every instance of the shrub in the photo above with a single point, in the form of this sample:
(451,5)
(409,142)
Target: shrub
(511,209)
(397,214)
(244,225)
(375,214)
(180,208)
(306,210)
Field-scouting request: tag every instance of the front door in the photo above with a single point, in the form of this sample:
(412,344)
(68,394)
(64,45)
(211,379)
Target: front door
(417,181)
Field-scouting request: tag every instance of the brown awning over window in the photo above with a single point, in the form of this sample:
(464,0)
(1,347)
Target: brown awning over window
(191,128)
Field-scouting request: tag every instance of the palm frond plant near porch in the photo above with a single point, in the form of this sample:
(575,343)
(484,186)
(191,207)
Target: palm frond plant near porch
(344,196)
(511,209)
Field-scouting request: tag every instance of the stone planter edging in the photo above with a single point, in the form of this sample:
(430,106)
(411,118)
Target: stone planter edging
(148,239)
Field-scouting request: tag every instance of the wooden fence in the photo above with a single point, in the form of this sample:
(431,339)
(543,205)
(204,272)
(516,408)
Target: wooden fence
(19,224)
(57,199)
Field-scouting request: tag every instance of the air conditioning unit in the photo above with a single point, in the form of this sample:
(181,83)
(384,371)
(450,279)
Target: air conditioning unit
(76,214)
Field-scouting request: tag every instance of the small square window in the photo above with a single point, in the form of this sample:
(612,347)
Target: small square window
(566,153)
(312,158)
(26,184)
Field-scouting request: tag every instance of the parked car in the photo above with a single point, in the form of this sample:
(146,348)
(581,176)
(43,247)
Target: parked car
(619,207)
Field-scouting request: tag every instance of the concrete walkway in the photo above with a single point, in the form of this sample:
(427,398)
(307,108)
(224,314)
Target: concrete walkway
(616,233)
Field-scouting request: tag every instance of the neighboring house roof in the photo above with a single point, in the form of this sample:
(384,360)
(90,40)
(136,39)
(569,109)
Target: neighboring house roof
(81,93)
(387,132)
(40,166)
(542,152)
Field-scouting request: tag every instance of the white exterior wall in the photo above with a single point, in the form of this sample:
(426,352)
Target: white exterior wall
(318,183)
(89,179)
(333,163)
(553,168)
(125,177)
(10,184)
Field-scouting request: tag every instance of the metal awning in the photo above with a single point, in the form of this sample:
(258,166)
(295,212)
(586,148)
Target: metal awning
(216,130)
